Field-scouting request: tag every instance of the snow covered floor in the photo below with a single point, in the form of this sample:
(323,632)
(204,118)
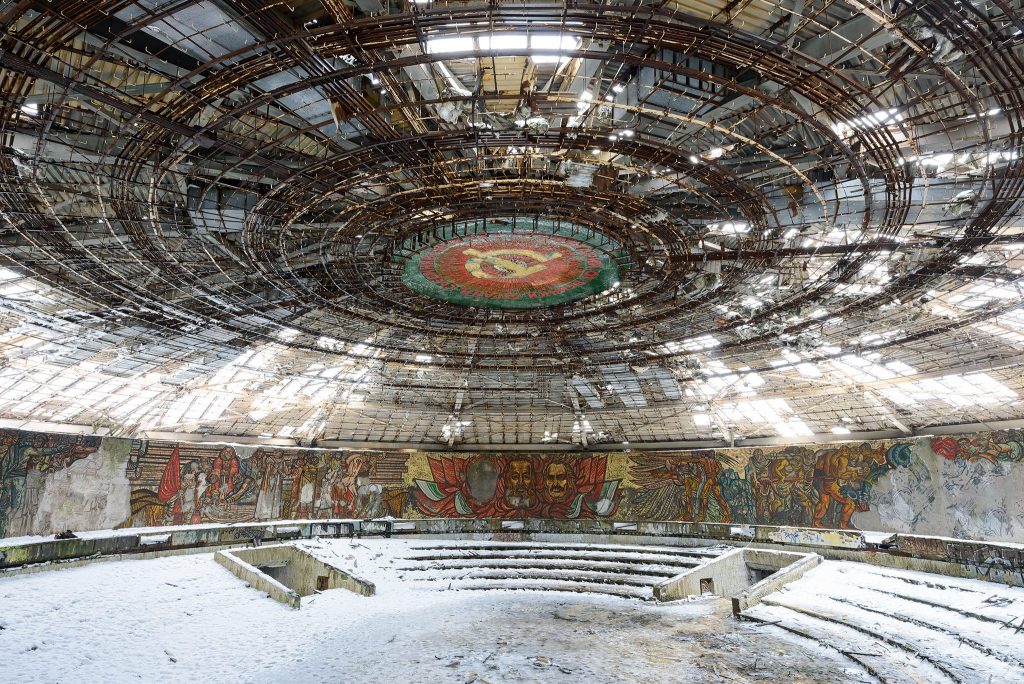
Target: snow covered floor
(185,618)
(906,626)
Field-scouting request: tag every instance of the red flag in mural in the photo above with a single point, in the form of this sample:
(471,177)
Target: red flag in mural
(170,483)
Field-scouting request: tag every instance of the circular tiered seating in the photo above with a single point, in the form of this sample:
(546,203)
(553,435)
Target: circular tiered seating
(619,570)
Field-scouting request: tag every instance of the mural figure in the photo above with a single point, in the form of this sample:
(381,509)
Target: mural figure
(304,478)
(326,502)
(517,487)
(268,498)
(834,473)
(223,478)
(680,487)
(354,469)
(782,486)
(843,479)
(1002,445)
(193,483)
(792,486)
(181,495)
(520,485)
(26,458)
(820,486)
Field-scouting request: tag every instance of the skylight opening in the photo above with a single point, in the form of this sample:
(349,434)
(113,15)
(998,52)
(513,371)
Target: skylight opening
(983,293)
(729,228)
(794,428)
(880,119)
(864,370)
(758,411)
(503,41)
(549,48)
(701,343)
(543,48)
(443,46)
(958,391)
(329,343)
(582,426)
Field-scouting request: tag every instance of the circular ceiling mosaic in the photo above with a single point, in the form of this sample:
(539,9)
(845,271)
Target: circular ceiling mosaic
(510,271)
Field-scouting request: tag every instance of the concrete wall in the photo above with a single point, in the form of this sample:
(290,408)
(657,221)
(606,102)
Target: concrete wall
(785,568)
(257,579)
(991,561)
(300,570)
(966,486)
(746,575)
(728,574)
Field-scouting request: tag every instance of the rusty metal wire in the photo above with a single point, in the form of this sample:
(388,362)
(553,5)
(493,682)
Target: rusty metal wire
(205,207)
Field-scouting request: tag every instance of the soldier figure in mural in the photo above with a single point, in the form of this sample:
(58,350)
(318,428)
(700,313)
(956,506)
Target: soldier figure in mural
(185,505)
(804,497)
(783,486)
(222,477)
(11,478)
(347,502)
(327,501)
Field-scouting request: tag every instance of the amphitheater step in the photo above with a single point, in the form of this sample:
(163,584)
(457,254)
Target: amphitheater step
(670,550)
(583,555)
(965,630)
(580,576)
(876,658)
(620,591)
(623,570)
(658,571)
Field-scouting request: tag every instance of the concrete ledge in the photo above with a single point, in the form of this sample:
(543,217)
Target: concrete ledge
(992,561)
(724,571)
(300,570)
(738,574)
(780,578)
(258,580)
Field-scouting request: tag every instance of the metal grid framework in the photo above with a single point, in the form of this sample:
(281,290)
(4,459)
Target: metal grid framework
(204,207)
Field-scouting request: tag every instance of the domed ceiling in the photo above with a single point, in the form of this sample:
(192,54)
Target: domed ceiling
(470,224)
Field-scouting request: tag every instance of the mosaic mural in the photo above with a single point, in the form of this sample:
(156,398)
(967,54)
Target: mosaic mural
(517,487)
(965,486)
(797,485)
(174,484)
(26,459)
(1004,445)
(510,270)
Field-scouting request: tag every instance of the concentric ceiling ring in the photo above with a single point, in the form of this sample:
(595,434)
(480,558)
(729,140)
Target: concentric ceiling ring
(762,181)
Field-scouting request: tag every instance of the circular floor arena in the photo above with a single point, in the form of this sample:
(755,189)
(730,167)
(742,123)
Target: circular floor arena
(459,611)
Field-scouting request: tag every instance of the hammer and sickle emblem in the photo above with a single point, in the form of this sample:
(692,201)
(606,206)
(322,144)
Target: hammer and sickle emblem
(509,268)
